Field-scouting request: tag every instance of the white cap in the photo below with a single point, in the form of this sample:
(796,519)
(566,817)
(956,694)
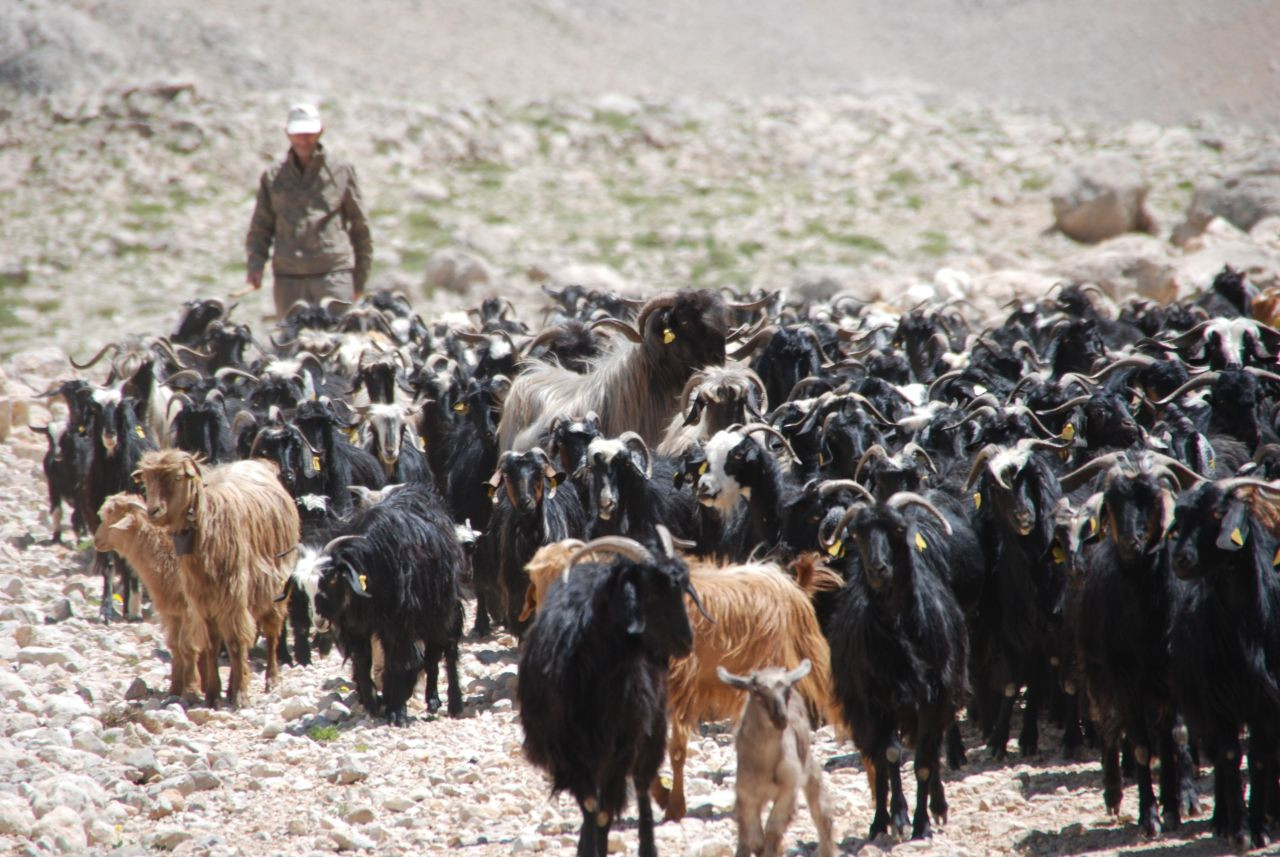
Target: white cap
(303,119)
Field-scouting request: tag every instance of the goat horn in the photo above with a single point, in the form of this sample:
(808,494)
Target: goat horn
(944,378)
(545,336)
(763,337)
(630,440)
(916,449)
(1186,477)
(1262,374)
(1083,381)
(911,498)
(229,371)
(1081,474)
(830,486)
(1130,362)
(1201,380)
(980,461)
(765,427)
(184,375)
(333,543)
(1229,485)
(875,451)
(110,346)
(752,305)
(1065,406)
(848,516)
(620,327)
(630,548)
(239,421)
(650,307)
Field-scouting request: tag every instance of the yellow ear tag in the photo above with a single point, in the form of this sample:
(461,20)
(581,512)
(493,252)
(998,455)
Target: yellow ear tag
(668,336)
(139,432)
(492,491)
(364,583)
(315,462)
(702,468)
(836,548)
(351,434)
(822,459)
(1068,431)
(920,542)
(1093,526)
(1275,560)
(1059,556)
(1237,538)
(461,407)
(422,443)
(977,499)
(1212,464)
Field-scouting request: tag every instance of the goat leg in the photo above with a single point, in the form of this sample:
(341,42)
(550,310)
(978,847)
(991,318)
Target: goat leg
(1029,737)
(1148,818)
(1072,735)
(780,815)
(432,699)
(397,687)
(880,821)
(107,608)
(1112,783)
(676,749)
(362,666)
(1261,749)
(897,799)
(451,672)
(928,755)
(956,756)
(644,810)
(815,795)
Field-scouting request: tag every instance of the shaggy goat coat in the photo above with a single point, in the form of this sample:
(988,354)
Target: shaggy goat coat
(124,528)
(233,528)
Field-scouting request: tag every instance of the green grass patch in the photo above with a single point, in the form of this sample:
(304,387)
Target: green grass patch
(146,210)
(648,240)
(323,734)
(750,248)
(637,199)
(615,121)
(494,218)
(914,202)
(853,240)
(1032,184)
(414,260)
(933,243)
(903,178)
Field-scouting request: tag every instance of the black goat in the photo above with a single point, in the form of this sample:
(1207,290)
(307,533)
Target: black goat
(899,653)
(394,576)
(529,512)
(632,492)
(593,681)
(1225,646)
(1123,605)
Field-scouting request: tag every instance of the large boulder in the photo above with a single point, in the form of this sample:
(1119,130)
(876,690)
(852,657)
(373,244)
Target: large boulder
(1101,198)
(1243,196)
(1131,265)
(454,270)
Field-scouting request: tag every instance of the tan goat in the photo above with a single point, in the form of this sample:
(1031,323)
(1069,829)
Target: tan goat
(125,529)
(233,529)
(762,617)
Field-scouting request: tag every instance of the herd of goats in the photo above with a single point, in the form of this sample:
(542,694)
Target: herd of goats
(859,517)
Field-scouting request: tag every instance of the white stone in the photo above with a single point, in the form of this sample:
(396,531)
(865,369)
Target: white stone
(710,848)
(64,827)
(65,707)
(42,655)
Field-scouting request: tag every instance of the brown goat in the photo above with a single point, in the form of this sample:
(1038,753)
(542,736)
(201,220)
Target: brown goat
(125,529)
(233,529)
(762,618)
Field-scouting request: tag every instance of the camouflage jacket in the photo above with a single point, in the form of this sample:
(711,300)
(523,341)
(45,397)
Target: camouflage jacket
(314,217)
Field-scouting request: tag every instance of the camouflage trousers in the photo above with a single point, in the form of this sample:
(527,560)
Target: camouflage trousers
(289,289)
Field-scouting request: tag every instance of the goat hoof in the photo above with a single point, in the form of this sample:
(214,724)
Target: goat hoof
(1190,804)
(455,708)
(433,704)
(922,831)
(1150,826)
(879,827)
(398,717)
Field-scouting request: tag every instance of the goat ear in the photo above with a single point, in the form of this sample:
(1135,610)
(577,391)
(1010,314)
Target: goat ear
(733,680)
(288,590)
(1235,526)
(695,411)
(1167,504)
(124,523)
(626,605)
(357,583)
(190,468)
(494,481)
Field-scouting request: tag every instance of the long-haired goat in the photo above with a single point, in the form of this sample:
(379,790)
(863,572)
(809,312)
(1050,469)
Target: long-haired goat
(232,528)
(593,682)
(125,528)
(635,385)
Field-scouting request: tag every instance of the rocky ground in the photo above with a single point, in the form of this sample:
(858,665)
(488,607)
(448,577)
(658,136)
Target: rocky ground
(92,756)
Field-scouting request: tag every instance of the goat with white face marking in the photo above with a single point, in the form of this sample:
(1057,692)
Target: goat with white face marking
(396,445)
(714,399)
(567,442)
(632,492)
(775,759)
(740,467)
